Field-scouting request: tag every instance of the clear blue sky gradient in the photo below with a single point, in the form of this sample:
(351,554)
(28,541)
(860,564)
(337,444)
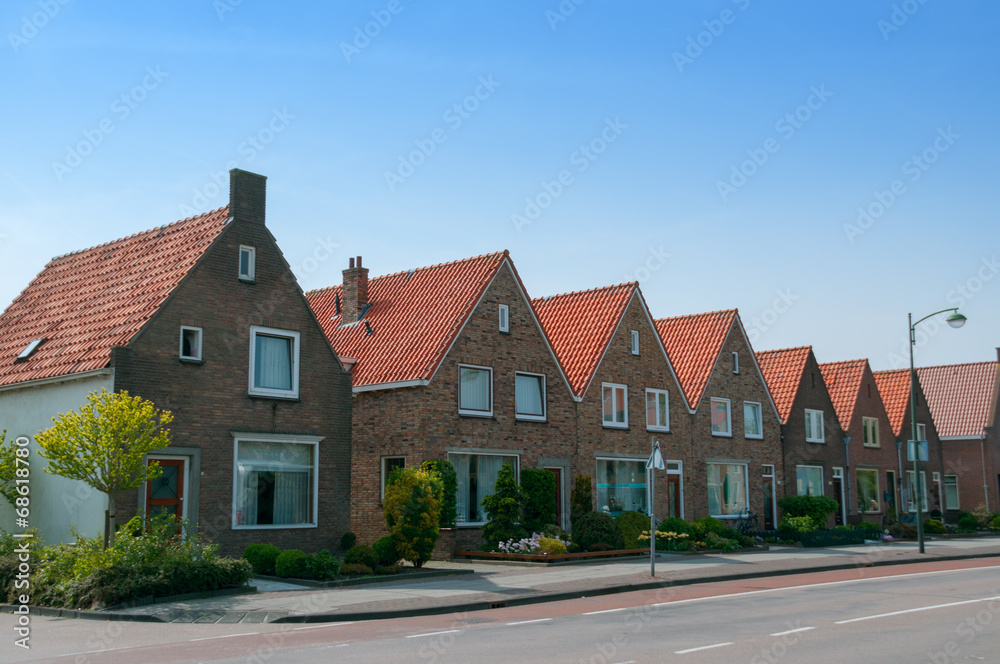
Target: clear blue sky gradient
(272,88)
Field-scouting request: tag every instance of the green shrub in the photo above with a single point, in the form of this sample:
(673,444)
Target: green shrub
(868,525)
(934,527)
(968,523)
(581,500)
(412,509)
(261,557)
(935,514)
(293,563)
(348,541)
(597,528)
(388,569)
(675,525)
(995,523)
(667,540)
(705,525)
(797,524)
(817,508)
(551,546)
(632,524)
(324,566)
(983,516)
(361,555)
(449,483)
(724,544)
(355,569)
(503,510)
(539,489)
(385,551)
(552,530)
(902,531)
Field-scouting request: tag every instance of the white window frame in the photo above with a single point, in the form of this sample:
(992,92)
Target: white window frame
(382,465)
(250,274)
(471,412)
(811,416)
(180,349)
(503,315)
(614,387)
(822,479)
(745,489)
(679,471)
(666,415)
(760,420)
(954,483)
(517,476)
(729,416)
(865,423)
(878,490)
(275,332)
(277,438)
(634,337)
(921,431)
(736,362)
(925,498)
(597,475)
(528,416)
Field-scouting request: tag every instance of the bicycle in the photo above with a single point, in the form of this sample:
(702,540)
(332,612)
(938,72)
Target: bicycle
(746,522)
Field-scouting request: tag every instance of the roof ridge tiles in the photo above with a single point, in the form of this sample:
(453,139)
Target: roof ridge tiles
(596,289)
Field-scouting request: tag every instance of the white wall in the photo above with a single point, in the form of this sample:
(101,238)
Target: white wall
(57,504)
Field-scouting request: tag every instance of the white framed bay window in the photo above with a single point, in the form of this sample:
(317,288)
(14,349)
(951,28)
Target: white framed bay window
(274,362)
(475,390)
(275,483)
(476,473)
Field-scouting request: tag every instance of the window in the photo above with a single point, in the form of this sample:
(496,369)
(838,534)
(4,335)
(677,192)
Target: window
(275,484)
(621,485)
(190,343)
(274,362)
(727,489)
(248,256)
(869,426)
(475,391)
(868,498)
(815,433)
(615,405)
(809,480)
(504,318)
(657,410)
(752,425)
(721,420)
(29,349)
(912,490)
(921,432)
(477,476)
(635,342)
(736,362)
(951,492)
(390,464)
(529,396)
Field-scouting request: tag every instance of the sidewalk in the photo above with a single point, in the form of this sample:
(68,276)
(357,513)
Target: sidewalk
(496,583)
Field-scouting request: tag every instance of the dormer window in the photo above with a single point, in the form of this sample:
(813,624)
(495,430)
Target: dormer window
(736,363)
(248,257)
(635,342)
(504,318)
(190,343)
(29,349)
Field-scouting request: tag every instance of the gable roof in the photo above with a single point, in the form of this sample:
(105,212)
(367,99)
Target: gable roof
(85,302)
(961,397)
(783,370)
(894,388)
(694,342)
(843,381)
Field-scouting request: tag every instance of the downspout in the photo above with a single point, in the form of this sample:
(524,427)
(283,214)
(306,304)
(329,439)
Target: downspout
(847,472)
(982,452)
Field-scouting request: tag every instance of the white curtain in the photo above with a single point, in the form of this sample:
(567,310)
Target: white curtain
(291,497)
(751,421)
(273,363)
(528,395)
(475,389)
(291,465)
(489,467)
(461,463)
(246,495)
(726,487)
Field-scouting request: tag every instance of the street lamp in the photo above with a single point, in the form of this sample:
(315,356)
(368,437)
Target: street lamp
(955,320)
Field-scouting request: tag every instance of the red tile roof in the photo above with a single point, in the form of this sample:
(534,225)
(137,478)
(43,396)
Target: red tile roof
(693,344)
(961,397)
(580,326)
(85,302)
(416,316)
(894,388)
(783,371)
(843,380)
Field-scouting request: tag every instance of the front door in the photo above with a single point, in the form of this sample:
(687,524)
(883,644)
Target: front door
(838,495)
(165,494)
(673,496)
(559,495)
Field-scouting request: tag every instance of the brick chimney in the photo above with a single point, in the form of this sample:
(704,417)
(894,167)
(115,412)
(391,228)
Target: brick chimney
(355,291)
(247,196)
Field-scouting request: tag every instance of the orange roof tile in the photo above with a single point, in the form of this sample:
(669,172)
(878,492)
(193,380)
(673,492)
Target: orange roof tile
(416,316)
(693,344)
(961,397)
(85,302)
(843,380)
(783,371)
(580,326)
(894,388)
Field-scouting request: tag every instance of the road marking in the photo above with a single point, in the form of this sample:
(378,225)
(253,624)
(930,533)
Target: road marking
(447,631)
(922,608)
(820,585)
(528,622)
(594,613)
(227,636)
(299,629)
(793,631)
(714,645)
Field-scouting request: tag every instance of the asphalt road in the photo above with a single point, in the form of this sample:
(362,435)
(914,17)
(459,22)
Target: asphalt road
(930,612)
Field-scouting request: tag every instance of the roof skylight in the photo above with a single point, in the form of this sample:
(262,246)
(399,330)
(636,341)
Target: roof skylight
(30,348)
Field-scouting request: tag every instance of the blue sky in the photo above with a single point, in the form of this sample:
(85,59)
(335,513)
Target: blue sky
(718,152)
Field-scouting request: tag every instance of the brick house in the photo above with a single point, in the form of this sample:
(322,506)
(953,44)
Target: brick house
(735,438)
(963,400)
(204,318)
(449,362)
(894,388)
(811,436)
(872,465)
(627,394)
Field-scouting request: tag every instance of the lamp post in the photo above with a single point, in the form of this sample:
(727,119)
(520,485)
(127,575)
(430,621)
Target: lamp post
(955,320)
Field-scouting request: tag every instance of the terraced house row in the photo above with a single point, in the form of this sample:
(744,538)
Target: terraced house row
(292,408)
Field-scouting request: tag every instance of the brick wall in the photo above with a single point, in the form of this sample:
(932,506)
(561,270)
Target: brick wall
(881,458)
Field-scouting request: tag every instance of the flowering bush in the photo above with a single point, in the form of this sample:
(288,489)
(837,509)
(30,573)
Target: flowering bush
(667,541)
(537,543)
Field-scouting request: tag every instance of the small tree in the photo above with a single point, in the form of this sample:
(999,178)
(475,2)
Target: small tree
(581,501)
(104,444)
(503,509)
(8,469)
(539,487)
(817,508)
(449,482)
(412,509)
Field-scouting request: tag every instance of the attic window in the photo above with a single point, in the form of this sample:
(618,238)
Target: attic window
(190,348)
(736,362)
(30,348)
(635,342)
(247,259)
(504,318)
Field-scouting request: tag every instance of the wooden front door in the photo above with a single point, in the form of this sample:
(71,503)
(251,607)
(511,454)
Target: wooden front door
(673,496)
(768,521)
(559,495)
(838,495)
(165,494)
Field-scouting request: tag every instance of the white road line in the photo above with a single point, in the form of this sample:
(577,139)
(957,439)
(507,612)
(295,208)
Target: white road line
(299,629)
(714,645)
(528,622)
(820,585)
(793,631)
(227,636)
(594,613)
(631,661)
(447,631)
(922,608)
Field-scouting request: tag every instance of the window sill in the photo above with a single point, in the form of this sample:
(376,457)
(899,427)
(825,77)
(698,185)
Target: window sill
(470,525)
(760,437)
(246,280)
(874,447)
(620,427)
(722,435)
(531,418)
(191,360)
(272,526)
(815,441)
(274,397)
(658,429)
(481,415)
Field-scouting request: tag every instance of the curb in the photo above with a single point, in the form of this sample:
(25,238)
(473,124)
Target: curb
(364,580)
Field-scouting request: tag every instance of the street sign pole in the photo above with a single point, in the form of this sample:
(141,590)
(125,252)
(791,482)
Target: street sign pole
(655,462)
